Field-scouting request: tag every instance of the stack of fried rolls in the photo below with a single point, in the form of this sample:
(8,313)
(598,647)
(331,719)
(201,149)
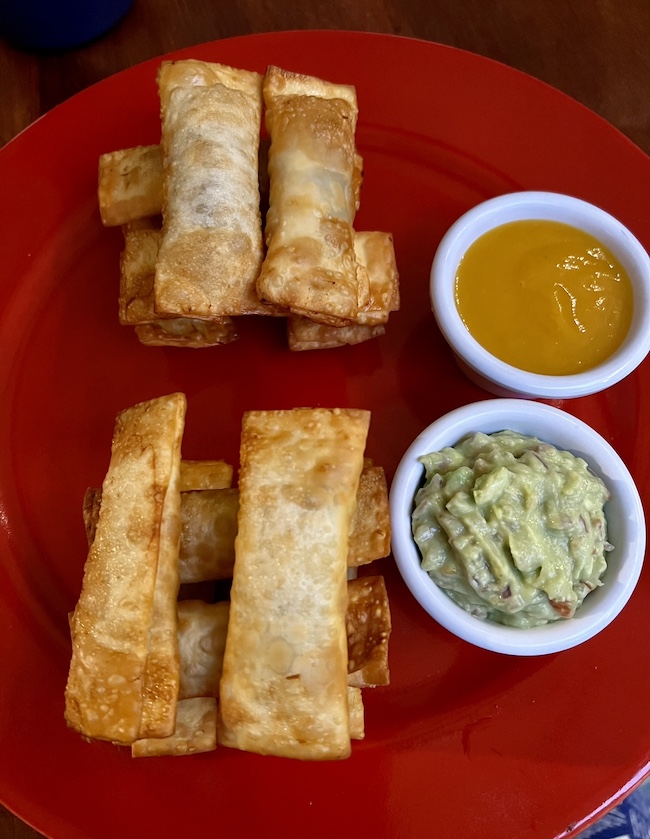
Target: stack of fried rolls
(198,252)
(278,667)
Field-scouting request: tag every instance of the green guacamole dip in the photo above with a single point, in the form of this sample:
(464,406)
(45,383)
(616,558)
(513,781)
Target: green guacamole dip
(512,529)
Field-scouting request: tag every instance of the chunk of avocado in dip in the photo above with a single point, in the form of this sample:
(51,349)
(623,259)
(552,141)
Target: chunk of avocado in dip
(511,528)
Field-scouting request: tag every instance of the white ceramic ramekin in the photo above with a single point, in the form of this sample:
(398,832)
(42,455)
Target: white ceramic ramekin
(497,376)
(624,514)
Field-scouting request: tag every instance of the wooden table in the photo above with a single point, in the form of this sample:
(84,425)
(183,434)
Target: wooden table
(594,50)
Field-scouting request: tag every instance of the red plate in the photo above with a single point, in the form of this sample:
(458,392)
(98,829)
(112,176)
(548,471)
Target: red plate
(464,742)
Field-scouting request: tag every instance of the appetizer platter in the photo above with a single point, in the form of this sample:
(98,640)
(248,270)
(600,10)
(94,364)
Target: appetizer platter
(476,743)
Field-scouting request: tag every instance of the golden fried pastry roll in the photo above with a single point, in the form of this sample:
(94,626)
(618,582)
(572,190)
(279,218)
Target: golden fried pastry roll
(303,333)
(137,269)
(374,250)
(202,629)
(186,332)
(310,266)
(130,185)
(161,677)
(136,300)
(284,685)
(195,731)
(205,474)
(209,528)
(124,672)
(368,625)
(211,251)
(194,475)
(209,521)
(370,530)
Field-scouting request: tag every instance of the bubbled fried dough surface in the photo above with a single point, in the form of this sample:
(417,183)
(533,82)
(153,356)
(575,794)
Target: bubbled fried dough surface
(211,250)
(284,684)
(310,266)
(135,541)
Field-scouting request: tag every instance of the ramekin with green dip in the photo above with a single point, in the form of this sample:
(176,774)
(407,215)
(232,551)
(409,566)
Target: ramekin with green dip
(517,526)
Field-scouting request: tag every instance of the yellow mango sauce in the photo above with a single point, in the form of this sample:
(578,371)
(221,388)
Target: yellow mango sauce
(544,297)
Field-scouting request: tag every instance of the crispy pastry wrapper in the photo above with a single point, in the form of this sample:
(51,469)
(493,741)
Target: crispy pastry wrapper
(186,332)
(303,333)
(208,531)
(195,731)
(284,685)
(121,204)
(137,268)
(370,531)
(131,193)
(194,475)
(202,629)
(161,678)
(136,299)
(310,266)
(211,251)
(124,672)
(375,251)
(209,522)
(368,625)
(209,528)
(130,185)
(205,474)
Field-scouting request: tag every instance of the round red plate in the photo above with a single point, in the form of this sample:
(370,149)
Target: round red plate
(464,742)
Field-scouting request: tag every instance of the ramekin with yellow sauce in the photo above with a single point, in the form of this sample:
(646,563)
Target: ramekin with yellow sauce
(542,295)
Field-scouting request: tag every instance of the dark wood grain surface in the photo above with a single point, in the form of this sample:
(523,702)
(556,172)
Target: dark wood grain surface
(594,50)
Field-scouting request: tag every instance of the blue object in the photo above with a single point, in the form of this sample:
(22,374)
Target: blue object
(630,820)
(58,24)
